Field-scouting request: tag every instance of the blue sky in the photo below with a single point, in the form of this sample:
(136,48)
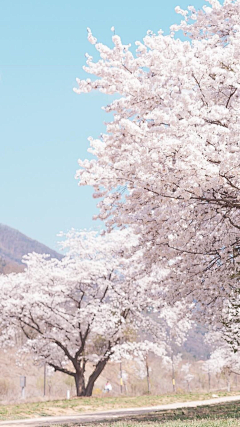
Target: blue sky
(44,124)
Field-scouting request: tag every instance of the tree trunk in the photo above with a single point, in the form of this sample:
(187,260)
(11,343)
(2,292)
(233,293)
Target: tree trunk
(80,383)
(94,376)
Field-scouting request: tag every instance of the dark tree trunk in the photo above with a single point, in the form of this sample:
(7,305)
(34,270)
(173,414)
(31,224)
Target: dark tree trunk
(94,376)
(80,383)
(79,377)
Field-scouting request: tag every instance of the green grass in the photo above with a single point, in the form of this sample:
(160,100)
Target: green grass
(83,405)
(219,415)
(195,423)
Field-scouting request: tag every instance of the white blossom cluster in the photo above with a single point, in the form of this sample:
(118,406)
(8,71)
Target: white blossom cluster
(167,175)
(222,358)
(168,164)
(84,309)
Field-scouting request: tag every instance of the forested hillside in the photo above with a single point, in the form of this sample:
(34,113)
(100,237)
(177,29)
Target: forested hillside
(13,245)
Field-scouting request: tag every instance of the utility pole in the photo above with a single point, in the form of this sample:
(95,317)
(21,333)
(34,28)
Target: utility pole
(148,382)
(209,380)
(121,378)
(23,386)
(45,379)
(173,375)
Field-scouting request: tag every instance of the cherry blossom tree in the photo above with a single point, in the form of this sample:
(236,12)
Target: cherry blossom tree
(188,377)
(169,330)
(222,359)
(230,317)
(75,311)
(177,323)
(140,352)
(168,164)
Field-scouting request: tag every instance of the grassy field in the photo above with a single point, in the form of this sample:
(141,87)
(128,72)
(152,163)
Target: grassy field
(195,423)
(84,405)
(219,415)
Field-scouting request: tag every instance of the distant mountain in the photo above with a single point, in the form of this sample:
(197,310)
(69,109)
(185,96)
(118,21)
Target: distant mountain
(13,245)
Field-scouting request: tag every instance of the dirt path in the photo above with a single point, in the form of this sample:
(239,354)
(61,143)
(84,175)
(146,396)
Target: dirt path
(109,415)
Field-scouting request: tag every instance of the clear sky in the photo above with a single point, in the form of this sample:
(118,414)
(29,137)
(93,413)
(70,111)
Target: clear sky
(44,124)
